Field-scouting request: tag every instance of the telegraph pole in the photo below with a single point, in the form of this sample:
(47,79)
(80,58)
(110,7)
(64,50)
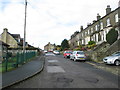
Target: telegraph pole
(24,40)
(119,19)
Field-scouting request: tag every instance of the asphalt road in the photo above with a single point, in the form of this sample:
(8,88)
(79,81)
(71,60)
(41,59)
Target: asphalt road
(64,73)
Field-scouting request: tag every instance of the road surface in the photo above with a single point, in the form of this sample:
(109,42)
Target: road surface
(64,73)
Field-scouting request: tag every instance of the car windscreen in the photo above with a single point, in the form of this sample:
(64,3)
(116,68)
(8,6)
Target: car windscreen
(116,54)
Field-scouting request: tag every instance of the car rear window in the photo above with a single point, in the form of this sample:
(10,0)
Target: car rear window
(80,52)
(68,52)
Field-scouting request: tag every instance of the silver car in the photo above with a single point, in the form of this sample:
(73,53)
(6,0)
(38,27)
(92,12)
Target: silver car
(113,59)
(78,55)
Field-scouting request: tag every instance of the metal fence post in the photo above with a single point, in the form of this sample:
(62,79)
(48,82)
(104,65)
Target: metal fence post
(17,59)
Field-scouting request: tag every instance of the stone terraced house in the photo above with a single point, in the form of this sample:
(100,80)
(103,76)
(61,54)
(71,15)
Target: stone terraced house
(50,47)
(97,30)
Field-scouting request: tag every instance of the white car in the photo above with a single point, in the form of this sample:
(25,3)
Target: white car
(113,59)
(56,52)
(78,55)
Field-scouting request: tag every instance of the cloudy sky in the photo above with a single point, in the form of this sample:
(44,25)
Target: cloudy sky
(50,20)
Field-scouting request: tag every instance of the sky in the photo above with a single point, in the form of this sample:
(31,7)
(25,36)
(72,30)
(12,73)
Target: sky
(50,20)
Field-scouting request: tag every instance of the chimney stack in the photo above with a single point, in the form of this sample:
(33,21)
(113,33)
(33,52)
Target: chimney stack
(108,9)
(81,28)
(5,30)
(98,16)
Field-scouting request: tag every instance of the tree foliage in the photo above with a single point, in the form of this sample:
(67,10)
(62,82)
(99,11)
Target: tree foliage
(112,36)
(65,44)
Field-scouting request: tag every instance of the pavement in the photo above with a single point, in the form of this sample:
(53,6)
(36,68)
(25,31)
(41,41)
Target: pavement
(109,68)
(24,72)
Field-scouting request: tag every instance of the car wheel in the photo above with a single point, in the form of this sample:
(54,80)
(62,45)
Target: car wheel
(74,59)
(117,62)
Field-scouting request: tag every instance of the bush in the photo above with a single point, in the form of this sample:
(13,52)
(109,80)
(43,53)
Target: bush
(112,36)
(91,42)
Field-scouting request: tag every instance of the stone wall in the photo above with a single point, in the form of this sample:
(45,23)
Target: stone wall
(103,50)
(113,48)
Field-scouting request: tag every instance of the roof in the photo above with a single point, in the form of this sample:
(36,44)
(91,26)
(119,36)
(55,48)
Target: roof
(15,35)
(102,18)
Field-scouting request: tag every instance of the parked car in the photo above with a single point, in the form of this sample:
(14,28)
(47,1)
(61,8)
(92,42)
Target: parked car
(67,53)
(113,59)
(78,55)
(56,52)
(45,51)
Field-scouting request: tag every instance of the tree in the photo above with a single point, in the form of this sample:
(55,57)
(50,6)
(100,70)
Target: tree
(64,44)
(112,36)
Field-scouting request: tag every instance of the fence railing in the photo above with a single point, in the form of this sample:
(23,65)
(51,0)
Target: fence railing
(12,61)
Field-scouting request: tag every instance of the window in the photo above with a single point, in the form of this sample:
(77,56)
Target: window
(88,31)
(91,30)
(101,25)
(108,21)
(94,37)
(116,17)
(82,34)
(78,43)
(96,28)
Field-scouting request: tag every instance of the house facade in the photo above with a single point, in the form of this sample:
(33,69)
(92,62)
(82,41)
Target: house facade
(50,47)
(10,39)
(98,29)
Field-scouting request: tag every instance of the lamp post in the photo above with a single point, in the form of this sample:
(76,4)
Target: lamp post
(24,40)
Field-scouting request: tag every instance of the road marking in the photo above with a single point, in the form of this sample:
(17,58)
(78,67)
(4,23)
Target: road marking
(55,69)
(52,61)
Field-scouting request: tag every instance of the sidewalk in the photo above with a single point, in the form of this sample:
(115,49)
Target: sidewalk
(27,70)
(110,68)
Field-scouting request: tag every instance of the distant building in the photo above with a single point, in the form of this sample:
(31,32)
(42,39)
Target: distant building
(50,47)
(13,40)
(98,29)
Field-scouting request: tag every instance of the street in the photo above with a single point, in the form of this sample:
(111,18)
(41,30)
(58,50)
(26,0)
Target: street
(65,73)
